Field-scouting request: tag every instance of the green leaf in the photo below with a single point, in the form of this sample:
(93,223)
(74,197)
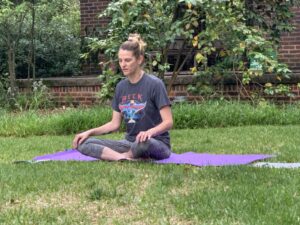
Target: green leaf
(199,57)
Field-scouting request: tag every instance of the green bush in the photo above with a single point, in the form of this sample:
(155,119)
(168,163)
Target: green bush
(38,97)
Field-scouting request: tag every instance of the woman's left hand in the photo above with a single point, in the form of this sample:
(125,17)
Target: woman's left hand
(144,135)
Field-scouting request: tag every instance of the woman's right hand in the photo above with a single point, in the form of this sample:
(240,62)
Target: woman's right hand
(79,138)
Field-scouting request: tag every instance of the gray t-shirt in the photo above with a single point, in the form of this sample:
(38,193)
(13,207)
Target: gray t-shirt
(140,104)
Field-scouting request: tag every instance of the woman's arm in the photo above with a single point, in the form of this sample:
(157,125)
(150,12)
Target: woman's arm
(111,126)
(165,125)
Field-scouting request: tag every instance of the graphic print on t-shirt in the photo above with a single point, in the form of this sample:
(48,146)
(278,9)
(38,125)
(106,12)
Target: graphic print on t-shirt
(132,107)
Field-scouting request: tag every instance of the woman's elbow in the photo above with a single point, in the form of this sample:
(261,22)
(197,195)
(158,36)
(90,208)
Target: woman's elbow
(170,124)
(114,126)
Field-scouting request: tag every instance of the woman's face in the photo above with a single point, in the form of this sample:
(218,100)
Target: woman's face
(129,64)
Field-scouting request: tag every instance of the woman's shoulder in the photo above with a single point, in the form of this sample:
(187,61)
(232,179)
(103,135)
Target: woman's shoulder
(122,82)
(154,79)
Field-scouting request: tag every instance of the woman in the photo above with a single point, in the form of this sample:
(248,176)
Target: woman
(141,100)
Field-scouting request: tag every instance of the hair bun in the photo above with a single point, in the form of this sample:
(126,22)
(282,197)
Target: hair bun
(137,38)
(134,37)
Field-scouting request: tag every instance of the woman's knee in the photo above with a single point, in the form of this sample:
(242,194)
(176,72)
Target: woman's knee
(81,147)
(140,149)
(87,144)
(163,154)
(151,148)
(90,149)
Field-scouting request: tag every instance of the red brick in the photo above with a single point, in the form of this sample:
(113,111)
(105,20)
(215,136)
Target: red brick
(288,47)
(295,52)
(296,60)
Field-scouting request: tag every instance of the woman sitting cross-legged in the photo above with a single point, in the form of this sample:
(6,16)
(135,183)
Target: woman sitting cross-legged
(142,102)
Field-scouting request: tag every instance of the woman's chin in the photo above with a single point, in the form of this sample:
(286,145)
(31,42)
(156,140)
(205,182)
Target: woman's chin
(125,73)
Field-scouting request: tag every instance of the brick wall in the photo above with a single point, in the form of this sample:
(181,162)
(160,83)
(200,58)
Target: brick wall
(83,91)
(69,91)
(289,51)
(91,25)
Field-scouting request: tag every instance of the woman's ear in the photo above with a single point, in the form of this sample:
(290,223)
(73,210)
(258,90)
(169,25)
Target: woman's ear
(141,60)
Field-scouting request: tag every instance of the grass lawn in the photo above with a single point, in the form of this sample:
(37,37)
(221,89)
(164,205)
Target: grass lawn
(145,193)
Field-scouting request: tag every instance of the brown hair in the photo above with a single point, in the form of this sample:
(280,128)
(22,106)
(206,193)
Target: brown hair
(134,44)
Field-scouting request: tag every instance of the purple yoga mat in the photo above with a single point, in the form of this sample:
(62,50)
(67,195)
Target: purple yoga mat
(192,158)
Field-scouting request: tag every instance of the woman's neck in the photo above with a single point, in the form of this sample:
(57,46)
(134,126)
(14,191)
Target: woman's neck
(136,77)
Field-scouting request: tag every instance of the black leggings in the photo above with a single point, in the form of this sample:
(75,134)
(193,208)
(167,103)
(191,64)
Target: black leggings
(152,148)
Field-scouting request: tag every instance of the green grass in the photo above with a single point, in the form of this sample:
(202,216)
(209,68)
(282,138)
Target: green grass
(145,193)
(225,114)
(55,122)
(205,115)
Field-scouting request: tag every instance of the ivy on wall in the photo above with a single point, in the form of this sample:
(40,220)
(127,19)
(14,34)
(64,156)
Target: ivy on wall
(215,38)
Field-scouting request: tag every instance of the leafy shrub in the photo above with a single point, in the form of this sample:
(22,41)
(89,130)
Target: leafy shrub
(109,81)
(38,97)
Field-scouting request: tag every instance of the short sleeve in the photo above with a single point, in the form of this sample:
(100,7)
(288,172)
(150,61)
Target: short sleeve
(115,102)
(160,95)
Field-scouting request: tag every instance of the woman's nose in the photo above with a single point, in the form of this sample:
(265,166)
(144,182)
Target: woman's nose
(122,64)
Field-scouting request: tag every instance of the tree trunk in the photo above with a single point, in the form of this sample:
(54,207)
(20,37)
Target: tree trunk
(164,59)
(178,70)
(31,54)
(33,41)
(11,67)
